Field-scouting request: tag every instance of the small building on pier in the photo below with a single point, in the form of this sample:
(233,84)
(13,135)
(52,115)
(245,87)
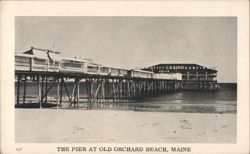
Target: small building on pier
(39,59)
(190,72)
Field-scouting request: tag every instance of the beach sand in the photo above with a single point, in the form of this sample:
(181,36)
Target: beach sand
(113,126)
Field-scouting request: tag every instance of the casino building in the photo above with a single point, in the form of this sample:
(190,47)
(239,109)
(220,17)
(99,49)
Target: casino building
(190,72)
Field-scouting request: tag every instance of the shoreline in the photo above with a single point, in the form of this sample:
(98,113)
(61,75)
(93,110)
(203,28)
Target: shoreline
(150,106)
(114,126)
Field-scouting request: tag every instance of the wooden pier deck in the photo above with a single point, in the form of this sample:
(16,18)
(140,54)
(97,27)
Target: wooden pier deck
(100,88)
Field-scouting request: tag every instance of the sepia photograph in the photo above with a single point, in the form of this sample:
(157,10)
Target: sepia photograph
(126,79)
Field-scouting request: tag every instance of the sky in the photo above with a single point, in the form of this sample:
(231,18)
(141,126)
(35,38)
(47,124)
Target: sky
(131,42)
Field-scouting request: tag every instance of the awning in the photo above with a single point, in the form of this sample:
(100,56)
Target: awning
(23,55)
(54,56)
(40,54)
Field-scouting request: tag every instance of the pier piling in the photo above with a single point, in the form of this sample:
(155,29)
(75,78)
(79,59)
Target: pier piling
(101,90)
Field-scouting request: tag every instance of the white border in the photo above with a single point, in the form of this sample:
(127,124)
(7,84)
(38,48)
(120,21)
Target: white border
(11,9)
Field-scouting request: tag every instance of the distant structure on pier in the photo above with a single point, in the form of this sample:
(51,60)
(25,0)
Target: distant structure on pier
(37,59)
(190,72)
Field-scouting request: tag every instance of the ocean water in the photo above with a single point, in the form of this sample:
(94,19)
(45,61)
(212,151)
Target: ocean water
(220,101)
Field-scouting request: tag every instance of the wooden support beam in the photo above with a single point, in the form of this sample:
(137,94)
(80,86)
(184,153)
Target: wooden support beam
(91,87)
(65,86)
(140,85)
(119,89)
(78,88)
(128,88)
(125,92)
(18,89)
(42,89)
(104,90)
(46,88)
(113,90)
(162,86)
(97,91)
(46,93)
(134,89)
(58,92)
(166,86)
(150,87)
(109,91)
(24,89)
(155,88)
(61,91)
(88,93)
(73,95)
(39,92)
(137,88)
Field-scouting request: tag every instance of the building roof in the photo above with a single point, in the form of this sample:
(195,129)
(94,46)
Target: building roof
(44,54)
(46,50)
(141,70)
(54,56)
(37,54)
(24,55)
(180,68)
(74,59)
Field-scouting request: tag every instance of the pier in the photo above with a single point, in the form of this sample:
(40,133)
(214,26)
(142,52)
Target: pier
(100,89)
(101,85)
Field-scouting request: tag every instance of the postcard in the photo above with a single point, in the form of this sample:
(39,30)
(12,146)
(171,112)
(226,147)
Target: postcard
(125,77)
